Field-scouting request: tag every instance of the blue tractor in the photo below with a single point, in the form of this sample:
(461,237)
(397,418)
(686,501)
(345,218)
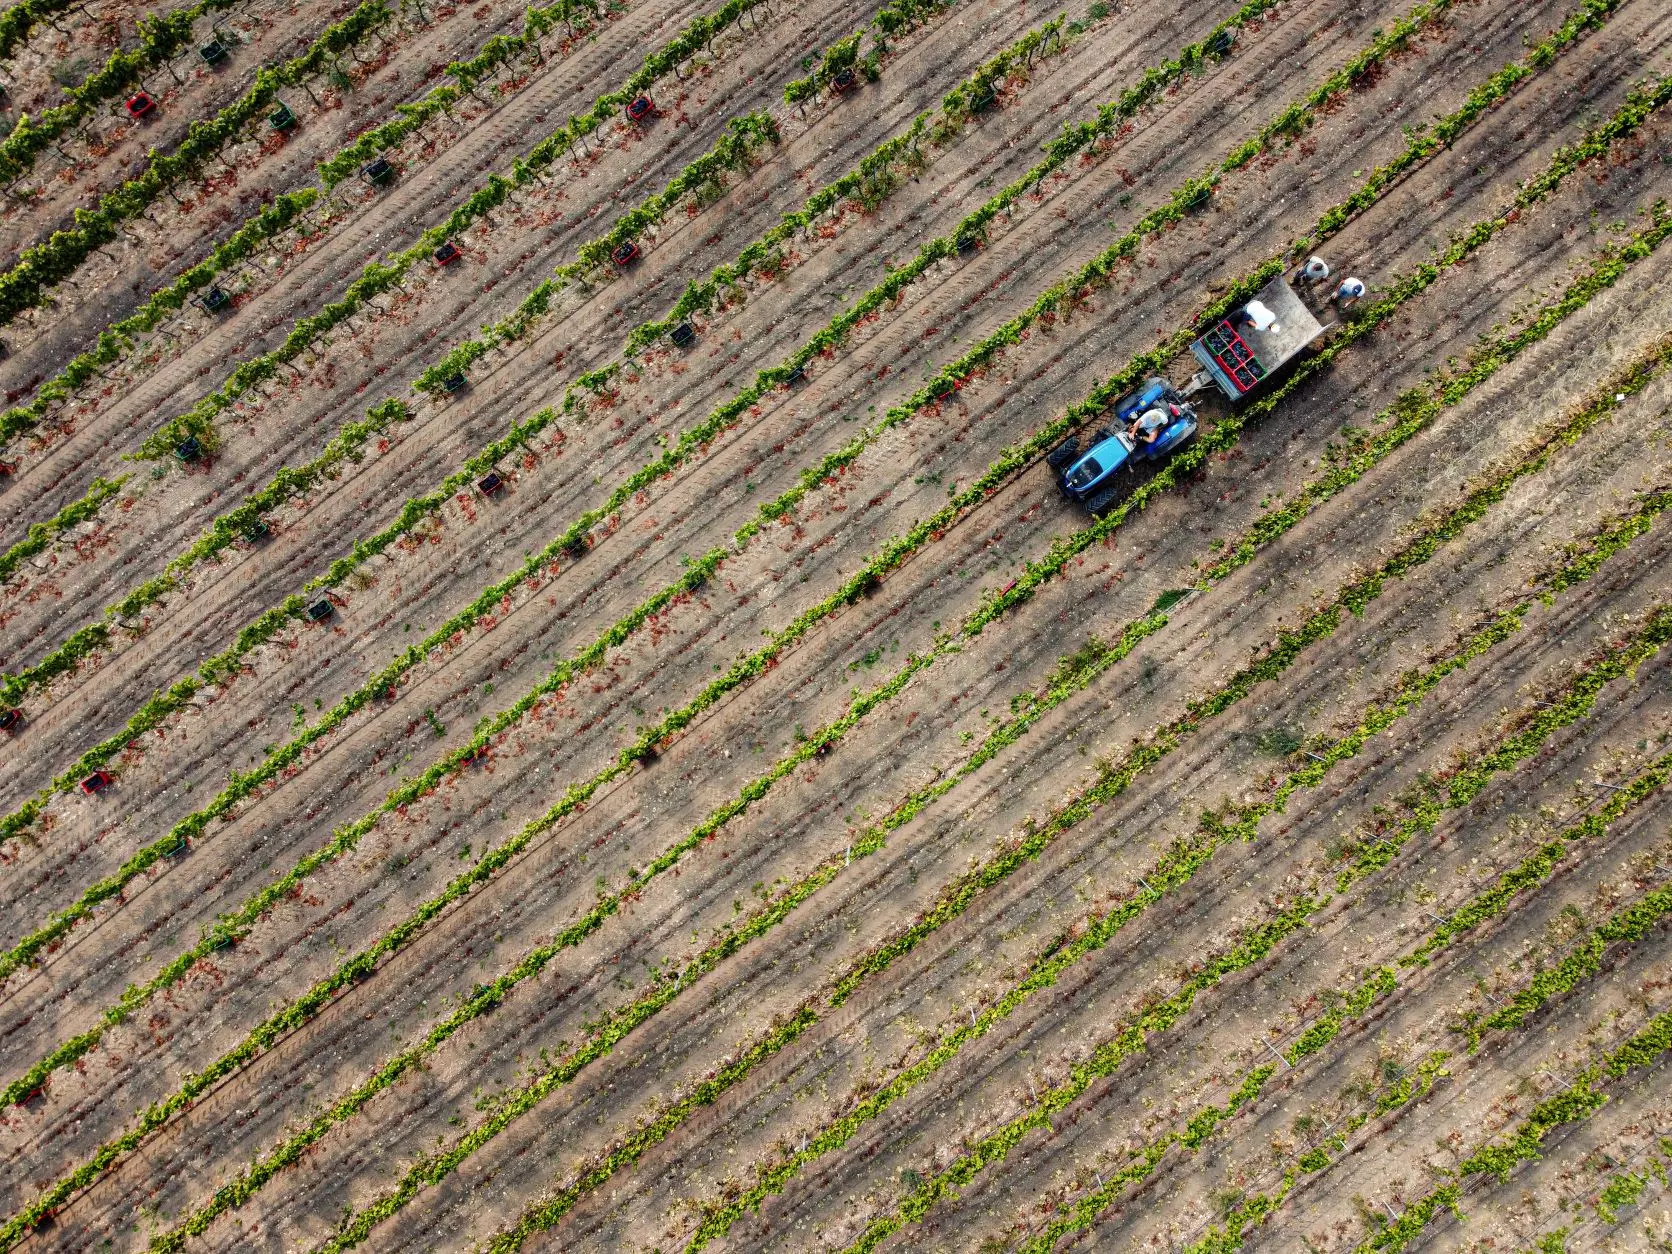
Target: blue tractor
(1149,425)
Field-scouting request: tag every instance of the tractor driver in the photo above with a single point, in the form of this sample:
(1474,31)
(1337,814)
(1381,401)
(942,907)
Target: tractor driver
(1149,425)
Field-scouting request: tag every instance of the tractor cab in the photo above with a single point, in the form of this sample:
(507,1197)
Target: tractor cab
(1149,425)
(1109,451)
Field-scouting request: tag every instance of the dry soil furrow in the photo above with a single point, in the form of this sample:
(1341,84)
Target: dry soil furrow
(1625,1138)
(1491,1091)
(967,944)
(543,497)
(1170,1084)
(1405,1034)
(1015,1056)
(1633,976)
(500,1053)
(110,286)
(667,552)
(386,220)
(268,34)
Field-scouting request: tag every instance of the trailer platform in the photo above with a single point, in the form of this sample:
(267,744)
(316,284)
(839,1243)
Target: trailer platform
(1243,350)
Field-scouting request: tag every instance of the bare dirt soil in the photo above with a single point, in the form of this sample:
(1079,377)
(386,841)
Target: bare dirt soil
(636,1071)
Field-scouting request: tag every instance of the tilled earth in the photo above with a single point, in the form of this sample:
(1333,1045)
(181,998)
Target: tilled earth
(775,979)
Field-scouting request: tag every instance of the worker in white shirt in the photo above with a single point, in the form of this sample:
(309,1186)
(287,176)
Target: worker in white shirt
(1316,270)
(1350,292)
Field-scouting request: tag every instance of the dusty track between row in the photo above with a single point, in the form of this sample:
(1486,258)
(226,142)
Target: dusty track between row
(807,819)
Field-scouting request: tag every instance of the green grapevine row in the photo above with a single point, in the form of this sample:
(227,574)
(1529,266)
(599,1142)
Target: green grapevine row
(161,39)
(121,337)
(39,266)
(1493,355)
(1174,870)
(744,669)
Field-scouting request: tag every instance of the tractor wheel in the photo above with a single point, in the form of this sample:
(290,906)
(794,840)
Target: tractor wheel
(1104,497)
(1062,457)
